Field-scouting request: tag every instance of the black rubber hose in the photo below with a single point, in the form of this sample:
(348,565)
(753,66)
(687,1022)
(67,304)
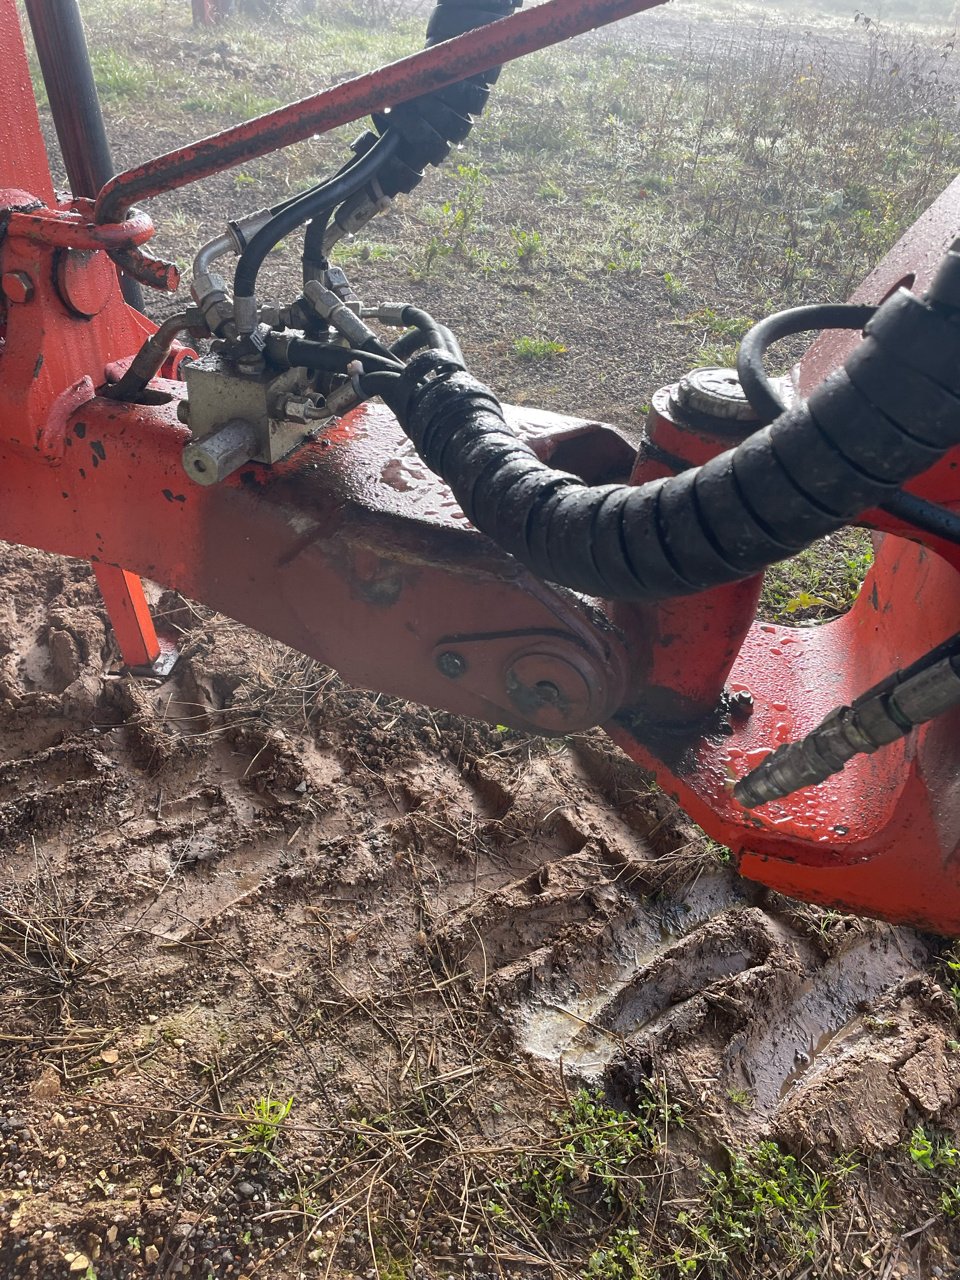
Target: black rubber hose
(886,416)
(300,210)
(426,332)
(302,353)
(757,387)
(377,384)
(409,344)
(313,258)
(768,405)
(438,335)
(426,127)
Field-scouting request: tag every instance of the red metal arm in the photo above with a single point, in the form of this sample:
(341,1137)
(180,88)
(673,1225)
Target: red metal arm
(454,60)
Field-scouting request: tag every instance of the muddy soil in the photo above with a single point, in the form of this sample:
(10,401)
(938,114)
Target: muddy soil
(248,884)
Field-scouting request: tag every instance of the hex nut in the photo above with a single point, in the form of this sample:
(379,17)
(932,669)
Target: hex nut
(17,286)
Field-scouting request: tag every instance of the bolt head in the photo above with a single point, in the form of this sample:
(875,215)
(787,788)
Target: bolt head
(740,703)
(451,664)
(17,286)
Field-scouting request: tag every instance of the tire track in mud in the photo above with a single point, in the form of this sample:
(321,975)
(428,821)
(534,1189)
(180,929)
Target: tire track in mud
(341,862)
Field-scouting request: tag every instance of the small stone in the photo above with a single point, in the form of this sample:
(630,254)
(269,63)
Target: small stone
(112,1233)
(246,1189)
(156,1191)
(109,1056)
(61,1161)
(80,1262)
(150,1254)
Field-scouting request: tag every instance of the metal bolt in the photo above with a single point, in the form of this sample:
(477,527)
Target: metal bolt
(452,665)
(212,459)
(740,703)
(17,286)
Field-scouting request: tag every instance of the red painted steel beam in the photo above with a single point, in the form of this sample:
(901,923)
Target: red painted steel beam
(443,64)
(23,157)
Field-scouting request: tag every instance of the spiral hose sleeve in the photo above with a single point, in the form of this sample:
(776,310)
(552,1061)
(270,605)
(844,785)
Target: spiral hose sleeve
(816,468)
(430,125)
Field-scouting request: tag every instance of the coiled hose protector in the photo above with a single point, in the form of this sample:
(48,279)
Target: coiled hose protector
(432,124)
(890,413)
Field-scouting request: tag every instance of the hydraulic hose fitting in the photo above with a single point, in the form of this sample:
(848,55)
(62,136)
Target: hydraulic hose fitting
(209,292)
(885,713)
(330,307)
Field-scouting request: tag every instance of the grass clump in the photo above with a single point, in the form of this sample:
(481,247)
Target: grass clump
(117,76)
(764,1203)
(596,1157)
(527,348)
(263,1124)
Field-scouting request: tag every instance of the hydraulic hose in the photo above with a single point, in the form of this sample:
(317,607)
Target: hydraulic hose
(307,206)
(886,416)
(327,357)
(429,126)
(425,331)
(767,404)
(146,364)
(432,124)
(757,386)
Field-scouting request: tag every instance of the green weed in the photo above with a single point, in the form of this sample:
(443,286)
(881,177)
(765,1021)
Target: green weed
(674,286)
(552,192)
(528,246)
(820,582)
(951,965)
(263,1123)
(596,1156)
(723,328)
(741,1098)
(456,219)
(537,348)
(764,1203)
(936,1155)
(622,1256)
